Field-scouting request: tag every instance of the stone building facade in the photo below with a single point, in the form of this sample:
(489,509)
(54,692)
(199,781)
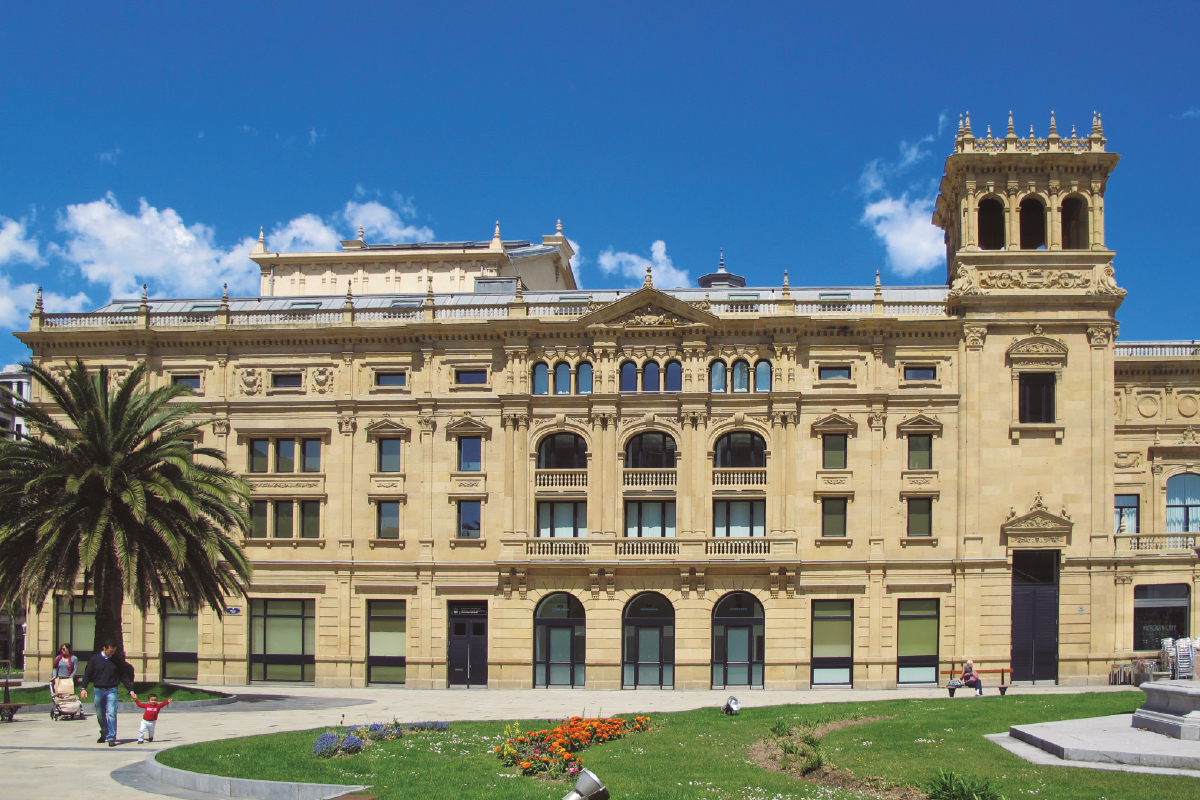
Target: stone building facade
(490,477)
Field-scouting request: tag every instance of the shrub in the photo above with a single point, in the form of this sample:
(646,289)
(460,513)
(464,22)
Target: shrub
(947,785)
(352,744)
(326,745)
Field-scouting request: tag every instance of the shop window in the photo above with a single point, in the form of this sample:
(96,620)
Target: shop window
(738,641)
(1160,612)
(832,642)
(920,516)
(562,520)
(389,455)
(469,512)
(917,641)
(716,376)
(1036,390)
(650,519)
(1125,517)
(833,516)
(541,379)
(739,518)
(180,645)
(387,519)
(282,640)
(833,451)
(920,451)
(991,224)
(387,627)
(559,641)
(470,454)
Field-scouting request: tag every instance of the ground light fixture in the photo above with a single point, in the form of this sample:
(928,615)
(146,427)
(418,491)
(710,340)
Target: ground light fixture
(587,787)
(731,707)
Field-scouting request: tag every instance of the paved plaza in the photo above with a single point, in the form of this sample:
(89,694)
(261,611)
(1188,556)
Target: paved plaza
(57,758)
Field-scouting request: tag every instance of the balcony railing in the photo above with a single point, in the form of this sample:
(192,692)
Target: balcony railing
(550,547)
(1157,542)
(1158,349)
(732,478)
(648,547)
(604,548)
(649,478)
(560,479)
(738,547)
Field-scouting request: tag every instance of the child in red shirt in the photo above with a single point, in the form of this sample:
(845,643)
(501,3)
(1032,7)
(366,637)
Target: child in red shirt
(150,718)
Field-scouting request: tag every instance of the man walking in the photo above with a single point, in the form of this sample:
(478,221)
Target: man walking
(106,671)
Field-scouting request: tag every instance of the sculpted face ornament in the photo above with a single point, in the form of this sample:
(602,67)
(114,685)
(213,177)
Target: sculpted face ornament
(251,381)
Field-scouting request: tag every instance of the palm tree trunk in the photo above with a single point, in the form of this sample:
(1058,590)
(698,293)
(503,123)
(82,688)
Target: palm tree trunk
(109,598)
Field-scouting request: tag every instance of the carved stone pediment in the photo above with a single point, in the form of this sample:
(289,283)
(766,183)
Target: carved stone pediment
(835,423)
(1038,527)
(468,426)
(649,308)
(382,428)
(1037,348)
(919,423)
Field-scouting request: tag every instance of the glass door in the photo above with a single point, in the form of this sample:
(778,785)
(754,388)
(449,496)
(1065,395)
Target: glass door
(738,641)
(649,643)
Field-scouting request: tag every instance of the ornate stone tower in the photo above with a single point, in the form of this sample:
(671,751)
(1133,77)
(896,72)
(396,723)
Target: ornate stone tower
(1041,197)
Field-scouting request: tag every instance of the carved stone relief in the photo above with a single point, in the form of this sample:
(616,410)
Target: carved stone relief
(250,381)
(322,380)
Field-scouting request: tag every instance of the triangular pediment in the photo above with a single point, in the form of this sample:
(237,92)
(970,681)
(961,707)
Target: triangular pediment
(384,428)
(919,423)
(649,308)
(468,426)
(835,423)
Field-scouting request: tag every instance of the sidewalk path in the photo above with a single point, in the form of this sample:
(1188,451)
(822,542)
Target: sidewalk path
(56,759)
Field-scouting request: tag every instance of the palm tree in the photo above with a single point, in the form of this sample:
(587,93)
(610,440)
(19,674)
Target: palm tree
(112,492)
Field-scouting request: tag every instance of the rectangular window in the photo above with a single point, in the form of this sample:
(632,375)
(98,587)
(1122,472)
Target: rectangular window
(832,642)
(260,450)
(468,519)
(389,455)
(258,519)
(287,380)
(1159,612)
(833,451)
(77,624)
(180,645)
(917,641)
(310,519)
(282,640)
(310,450)
(833,516)
(285,455)
(562,520)
(474,377)
(920,516)
(650,519)
(1125,520)
(386,641)
(833,373)
(190,381)
(1036,391)
(739,518)
(920,373)
(387,518)
(391,379)
(920,451)
(284,527)
(470,454)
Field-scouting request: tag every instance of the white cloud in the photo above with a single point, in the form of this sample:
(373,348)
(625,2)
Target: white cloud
(110,156)
(913,243)
(381,223)
(16,245)
(16,301)
(1192,113)
(633,266)
(122,250)
(577,260)
(305,233)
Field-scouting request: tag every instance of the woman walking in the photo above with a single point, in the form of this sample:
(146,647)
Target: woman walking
(66,665)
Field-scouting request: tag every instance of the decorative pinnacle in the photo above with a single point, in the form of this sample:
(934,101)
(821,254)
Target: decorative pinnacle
(1097,124)
(960,127)
(1074,135)
(349,295)
(360,233)
(877,284)
(37,306)
(1031,134)
(520,291)
(144,287)
(1011,131)
(967,130)
(989,133)
(260,234)
(721,263)
(496,235)
(1053,125)
(649,282)
(787,292)
(558,229)
(225,293)
(785,279)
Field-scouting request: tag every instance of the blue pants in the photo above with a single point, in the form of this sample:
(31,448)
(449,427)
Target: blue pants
(106,712)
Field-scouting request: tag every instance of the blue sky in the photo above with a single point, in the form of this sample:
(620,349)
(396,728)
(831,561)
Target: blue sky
(148,142)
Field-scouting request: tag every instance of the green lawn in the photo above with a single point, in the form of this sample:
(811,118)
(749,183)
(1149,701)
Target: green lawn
(701,755)
(166,691)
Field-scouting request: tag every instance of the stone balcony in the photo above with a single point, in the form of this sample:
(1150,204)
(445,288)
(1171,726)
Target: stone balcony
(1157,543)
(723,478)
(560,481)
(650,479)
(669,549)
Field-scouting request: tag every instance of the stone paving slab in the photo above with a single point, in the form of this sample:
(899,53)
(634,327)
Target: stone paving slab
(1040,757)
(57,758)
(1109,740)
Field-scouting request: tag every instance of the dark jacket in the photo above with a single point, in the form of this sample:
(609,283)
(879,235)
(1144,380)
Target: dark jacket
(106,673)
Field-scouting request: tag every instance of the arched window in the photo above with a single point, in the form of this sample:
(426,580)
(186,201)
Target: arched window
(1033,224)
(541,379)
(741,450)
(1074,224)
(716,377)
(737,641)
(674,381)
(583,378)
(628,377)
(559,641)
(648,646)
(652,450)
(650,377)
(762,376)
(741,376)
(991,224)
(1183,503)
(562,451)
(562,378)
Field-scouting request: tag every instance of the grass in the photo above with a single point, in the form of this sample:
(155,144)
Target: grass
(40,695)
(701,755)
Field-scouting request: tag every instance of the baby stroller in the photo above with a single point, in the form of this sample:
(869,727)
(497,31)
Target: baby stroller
(64,701)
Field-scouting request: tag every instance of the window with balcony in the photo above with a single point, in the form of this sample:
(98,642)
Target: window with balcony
(833,516)
(562,451)
(469,517)
(1036,401)
(739,518)
(650,518)
(628,377)
(1183,503)
(562,520)
(716,377)
(762,376)
(1125,518)
(541,379)
(920,451)
(650,451)
(920,516)
(833,451)
(389,455)
(470,453)
(674,378)
(740,450)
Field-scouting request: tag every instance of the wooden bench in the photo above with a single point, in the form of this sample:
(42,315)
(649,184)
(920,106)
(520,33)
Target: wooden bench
(8,709)
(1004,686)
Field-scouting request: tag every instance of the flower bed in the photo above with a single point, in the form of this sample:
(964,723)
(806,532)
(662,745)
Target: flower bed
(355,738)
(552,751)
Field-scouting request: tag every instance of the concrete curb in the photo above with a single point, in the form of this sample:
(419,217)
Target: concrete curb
(131,708)
(242,787)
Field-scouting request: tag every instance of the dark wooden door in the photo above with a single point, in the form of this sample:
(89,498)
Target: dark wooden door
(467,655)
(1035,633)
